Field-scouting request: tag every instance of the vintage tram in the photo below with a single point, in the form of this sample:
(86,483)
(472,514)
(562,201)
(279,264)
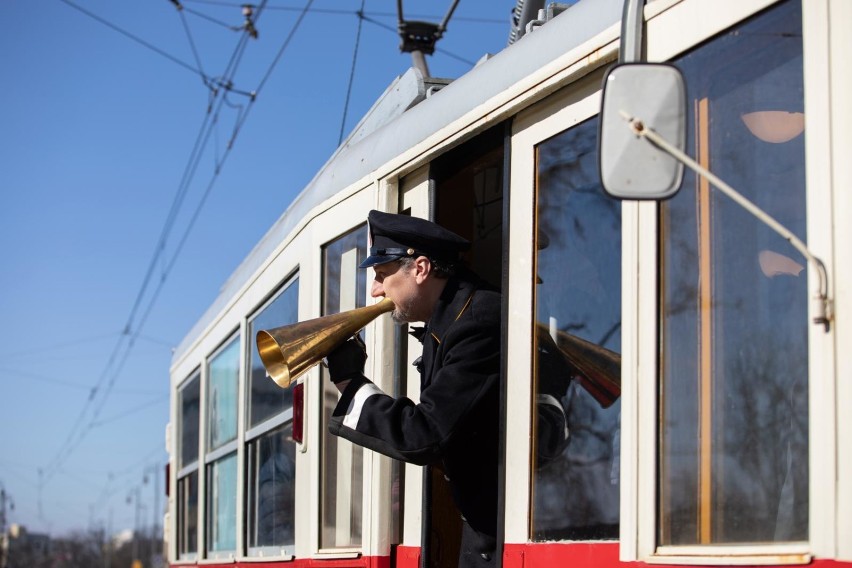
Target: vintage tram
(728,444)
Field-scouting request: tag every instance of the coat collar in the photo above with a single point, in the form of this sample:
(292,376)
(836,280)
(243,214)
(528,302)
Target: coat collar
(453,302)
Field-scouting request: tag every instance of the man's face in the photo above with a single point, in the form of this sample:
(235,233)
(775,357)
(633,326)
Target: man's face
(400,285)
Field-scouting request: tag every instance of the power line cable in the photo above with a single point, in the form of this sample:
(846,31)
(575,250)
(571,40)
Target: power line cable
(134,38)
(210,19)
(130,412)
(57,346)
(352,72)
(69,384)
(71,444)
(334,11)
(54,465)
(284,46)
(193,48)
(224,157)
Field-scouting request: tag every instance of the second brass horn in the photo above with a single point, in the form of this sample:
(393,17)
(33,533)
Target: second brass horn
(289,351)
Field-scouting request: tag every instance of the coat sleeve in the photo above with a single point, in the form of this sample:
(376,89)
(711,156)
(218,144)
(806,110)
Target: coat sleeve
(419,433)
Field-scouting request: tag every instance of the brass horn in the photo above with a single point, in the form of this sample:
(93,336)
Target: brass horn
(599,368)
(289,351)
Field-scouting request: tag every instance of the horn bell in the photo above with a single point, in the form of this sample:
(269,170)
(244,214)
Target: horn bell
(289,351)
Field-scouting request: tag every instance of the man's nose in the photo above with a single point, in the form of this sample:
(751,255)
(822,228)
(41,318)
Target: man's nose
(377,289)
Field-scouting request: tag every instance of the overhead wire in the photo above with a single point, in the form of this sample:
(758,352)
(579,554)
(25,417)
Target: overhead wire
(200,144)
(236,131)
(70,384)
(208,18)
(352,72)
(133,37)
(192,165)
(337,11)
(131,412)
(78,430)
(193,48)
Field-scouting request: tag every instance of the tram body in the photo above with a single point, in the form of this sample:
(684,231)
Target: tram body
(731,442)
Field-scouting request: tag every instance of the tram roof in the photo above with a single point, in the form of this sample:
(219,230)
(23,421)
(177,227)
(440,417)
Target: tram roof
(360,155)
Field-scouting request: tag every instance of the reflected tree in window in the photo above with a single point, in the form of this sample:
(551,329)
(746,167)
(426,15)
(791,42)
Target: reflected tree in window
(578,292)
(733,462)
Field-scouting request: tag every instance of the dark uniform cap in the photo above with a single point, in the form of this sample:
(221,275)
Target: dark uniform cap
(395,236)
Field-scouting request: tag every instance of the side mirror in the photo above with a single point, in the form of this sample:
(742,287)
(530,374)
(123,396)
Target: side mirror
(631,167)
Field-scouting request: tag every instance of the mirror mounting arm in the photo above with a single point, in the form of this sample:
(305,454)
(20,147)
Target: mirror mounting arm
(825,312)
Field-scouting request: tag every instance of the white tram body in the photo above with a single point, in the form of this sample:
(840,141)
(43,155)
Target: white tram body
(728,445)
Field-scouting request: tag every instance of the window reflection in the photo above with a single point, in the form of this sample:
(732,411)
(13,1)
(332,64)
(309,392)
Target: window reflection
(270,449)
(734,300)
(187,516)
(189,398)
(578,292)
(222,504)
(344,288)
(272,474)
(267,398)
(224,377)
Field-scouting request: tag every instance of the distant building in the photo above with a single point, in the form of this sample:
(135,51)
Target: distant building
(20,548)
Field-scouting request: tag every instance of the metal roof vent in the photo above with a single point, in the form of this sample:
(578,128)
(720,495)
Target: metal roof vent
(531,14)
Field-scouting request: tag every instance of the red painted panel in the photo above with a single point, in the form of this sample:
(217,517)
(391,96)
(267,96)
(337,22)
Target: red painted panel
(362,562)
(595,555)
(539,555)
(407,556)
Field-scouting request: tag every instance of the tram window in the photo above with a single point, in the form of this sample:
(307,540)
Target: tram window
(578,292)
(266,398)
(221,477)
(224,376)
(344,288)
(271,462)
(270,449)
(221,472)
(734,356)
(189,399)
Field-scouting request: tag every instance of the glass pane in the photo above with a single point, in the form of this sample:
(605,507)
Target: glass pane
(578,294)
(271,489)
(187,514)
(345,288)
(268,399)
(734,373)
(222,504)
(222,395)
(190,398)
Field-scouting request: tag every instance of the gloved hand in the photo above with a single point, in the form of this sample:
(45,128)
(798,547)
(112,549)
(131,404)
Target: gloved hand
(347,361)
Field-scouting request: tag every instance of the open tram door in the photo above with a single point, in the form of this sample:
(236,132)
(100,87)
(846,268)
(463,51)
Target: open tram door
(461,190)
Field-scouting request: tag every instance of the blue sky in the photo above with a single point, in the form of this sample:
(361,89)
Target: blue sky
(99,115)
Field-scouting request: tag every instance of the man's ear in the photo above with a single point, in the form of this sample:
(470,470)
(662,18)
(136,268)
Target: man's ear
(422,268)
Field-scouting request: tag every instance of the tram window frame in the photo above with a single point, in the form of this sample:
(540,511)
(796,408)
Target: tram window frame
(711,513)
(587,455)
(257,433)
(187,476)
(641,373)
(327,535)
(217,464)
(553,116)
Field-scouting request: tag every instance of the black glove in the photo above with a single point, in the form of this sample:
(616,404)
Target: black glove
(347,361)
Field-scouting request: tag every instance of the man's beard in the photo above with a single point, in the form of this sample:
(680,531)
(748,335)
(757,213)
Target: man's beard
(402,313)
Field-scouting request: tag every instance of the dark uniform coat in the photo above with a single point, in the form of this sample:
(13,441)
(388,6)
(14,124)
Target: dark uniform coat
(456,423)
